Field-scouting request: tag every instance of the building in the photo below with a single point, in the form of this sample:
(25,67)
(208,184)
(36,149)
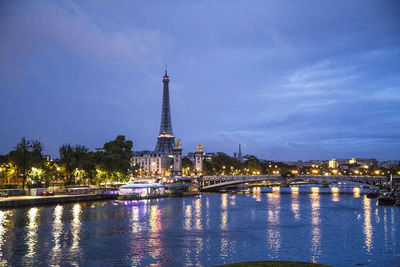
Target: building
(367,162)
(336,163)
(388,164)
(151,163)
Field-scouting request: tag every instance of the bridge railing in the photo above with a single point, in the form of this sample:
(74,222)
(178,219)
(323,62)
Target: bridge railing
(214,180)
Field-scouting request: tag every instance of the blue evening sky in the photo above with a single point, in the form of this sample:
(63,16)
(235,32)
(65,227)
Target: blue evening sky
(289,80)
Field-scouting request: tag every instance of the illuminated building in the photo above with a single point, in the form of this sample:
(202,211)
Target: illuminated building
(151,163)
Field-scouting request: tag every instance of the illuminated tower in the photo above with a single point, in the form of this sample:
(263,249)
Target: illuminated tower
(166,139)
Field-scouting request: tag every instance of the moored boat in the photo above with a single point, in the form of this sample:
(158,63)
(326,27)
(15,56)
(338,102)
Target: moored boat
(385,200)
(137,191)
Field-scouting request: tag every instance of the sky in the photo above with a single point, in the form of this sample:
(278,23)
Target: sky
(288,80)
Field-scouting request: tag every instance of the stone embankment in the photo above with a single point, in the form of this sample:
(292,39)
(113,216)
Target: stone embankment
(23,201)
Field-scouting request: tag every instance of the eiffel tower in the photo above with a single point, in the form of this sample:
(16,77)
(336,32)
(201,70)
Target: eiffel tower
(166,139)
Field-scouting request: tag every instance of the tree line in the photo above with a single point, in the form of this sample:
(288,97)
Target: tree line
(27,165)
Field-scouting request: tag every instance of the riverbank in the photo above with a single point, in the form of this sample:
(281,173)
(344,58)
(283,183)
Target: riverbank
(274,264)
(24,201)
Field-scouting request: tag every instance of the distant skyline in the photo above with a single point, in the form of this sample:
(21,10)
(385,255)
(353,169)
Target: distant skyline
(289,80)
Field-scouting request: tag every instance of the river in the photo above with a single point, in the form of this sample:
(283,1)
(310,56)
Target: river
(334,226)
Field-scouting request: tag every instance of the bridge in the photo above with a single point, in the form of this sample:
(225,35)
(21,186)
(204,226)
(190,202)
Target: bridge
(210,183)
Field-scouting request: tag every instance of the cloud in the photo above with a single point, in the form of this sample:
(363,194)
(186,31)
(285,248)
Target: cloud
(48,27)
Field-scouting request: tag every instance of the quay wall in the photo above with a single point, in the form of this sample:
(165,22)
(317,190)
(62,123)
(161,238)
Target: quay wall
(17,202)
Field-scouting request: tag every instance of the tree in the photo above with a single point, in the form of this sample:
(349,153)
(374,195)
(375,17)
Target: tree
(221,164)
(187,166)
(116,158)
(72,158)
(27,154)
(89,166)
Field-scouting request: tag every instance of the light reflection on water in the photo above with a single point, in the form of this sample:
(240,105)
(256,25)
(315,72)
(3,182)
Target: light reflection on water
(367,227)
(295,203)
(197,208)
(224,212)
(76,231)
(356,191)
(31,238)
(315,224)
(188,217)
(273,228)
(335,194)
(57,231)
(3,229)
(155,242)
(207,230)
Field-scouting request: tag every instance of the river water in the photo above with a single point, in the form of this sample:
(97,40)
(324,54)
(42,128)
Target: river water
(334,226)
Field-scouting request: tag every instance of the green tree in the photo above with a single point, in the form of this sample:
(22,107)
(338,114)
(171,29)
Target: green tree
(27,154)
(116,158)
(187,166)
(72,157)
(89,166)
(222,164)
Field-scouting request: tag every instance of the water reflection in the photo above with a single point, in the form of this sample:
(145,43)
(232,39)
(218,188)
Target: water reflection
(138,238)
(135,220)
(385,227)
(295,203)
(155,242)
(335,193)
(224,247)
(75,231)
(315,224)
(393,227)
(257,193)
(224,212)
(367,227)
(188,217)
(207,213)
(57,231)
(356,192)
(273,232)
(232,200)
(31,235)
(197,208)
(3,230)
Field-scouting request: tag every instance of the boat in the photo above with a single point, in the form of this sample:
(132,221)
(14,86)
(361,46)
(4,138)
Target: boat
(136,191)
(385,200)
